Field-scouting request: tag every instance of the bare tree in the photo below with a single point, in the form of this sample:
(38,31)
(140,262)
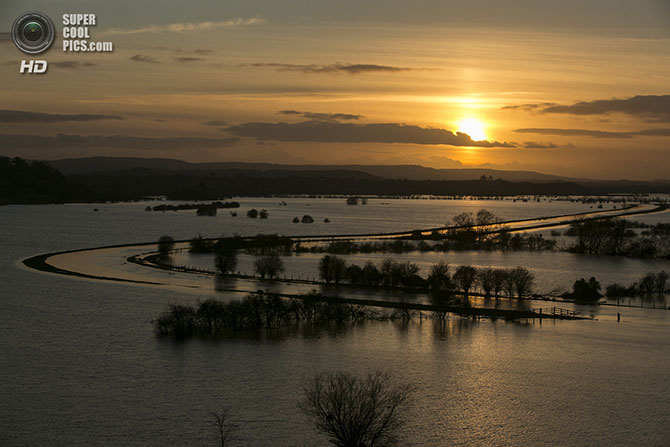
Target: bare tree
(499,277)
(224,426)
(523,281)
(465,277)
(331,269)
(356,412)
(225,262)
(487,280)
(464,220)
(485,221)
(270,266)
(439,279)
(508,283)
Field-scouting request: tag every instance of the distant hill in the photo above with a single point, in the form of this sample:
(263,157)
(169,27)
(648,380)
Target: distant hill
(22,181)
(114,179)
(409,172)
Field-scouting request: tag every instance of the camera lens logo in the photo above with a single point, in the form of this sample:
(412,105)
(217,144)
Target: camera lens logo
(33,32)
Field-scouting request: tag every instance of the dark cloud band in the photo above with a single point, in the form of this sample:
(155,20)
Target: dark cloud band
(144,59)
(320,116)
(595,133)
(19,116)
(332,68)
(653,108)
(336,132)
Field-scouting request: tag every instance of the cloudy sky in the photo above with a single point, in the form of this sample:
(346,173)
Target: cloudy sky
(569,87)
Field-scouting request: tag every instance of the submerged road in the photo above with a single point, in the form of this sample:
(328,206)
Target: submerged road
(111,263)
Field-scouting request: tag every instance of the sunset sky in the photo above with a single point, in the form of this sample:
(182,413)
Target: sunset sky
(577,88)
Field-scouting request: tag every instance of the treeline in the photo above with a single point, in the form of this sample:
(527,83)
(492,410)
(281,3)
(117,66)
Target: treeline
(590,290)
(617,237)
(504,241)
(193,185)
(24,181)
(256,311)
(194,206)
(394,274)
(259,245)
(651,283)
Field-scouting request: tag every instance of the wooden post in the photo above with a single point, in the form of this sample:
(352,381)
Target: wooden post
(618,317)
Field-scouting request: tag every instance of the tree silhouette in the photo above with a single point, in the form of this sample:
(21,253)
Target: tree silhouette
(269,266)
(465,277)
(356,412)
(165,245)
(224,426)
(225,261)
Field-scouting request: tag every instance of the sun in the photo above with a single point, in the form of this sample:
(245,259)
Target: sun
(472,127)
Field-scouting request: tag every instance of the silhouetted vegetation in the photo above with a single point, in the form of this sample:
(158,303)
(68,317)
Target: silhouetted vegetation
(225,261)
(224,427)
(165,245)
(196,206)
(583,290)
(355,200)
(259,245)
(256,311)
(464,278)
(617,237)
(332,269)
(23,181)
(439,279)
(405,275)
(270,266)
(206,210)
(252,213)
(88,182)
(356,412)
(266,244)
(651,283)
(440,243)
(192,185)
(200,245)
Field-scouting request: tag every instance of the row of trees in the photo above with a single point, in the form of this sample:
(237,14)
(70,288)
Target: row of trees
(254,213)
(259,245)
(390,273)
(617,237)
(225,262)
(256,311)
(649,284)
(505,241)
(590,290)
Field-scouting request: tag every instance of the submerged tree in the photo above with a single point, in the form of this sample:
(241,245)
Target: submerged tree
(583,290)
(224,426)
(356,412)
(439,279)
(225,261)
(270,266)
(332,269)
(165,245)
(465,278)
(522,280)
(486,278)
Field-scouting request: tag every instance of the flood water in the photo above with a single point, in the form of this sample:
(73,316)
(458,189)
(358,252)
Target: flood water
(80,364)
